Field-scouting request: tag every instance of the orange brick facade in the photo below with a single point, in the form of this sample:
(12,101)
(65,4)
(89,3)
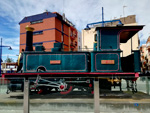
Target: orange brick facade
(52,30)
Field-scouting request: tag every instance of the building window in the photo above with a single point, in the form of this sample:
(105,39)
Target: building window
(35,22)
(95,37)
(71,34)
(75,43)
(37,32)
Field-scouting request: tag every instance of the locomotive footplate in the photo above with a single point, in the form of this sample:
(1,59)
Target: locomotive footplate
(71,74)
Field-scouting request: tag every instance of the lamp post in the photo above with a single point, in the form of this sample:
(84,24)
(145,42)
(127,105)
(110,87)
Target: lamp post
(1,46)
(124,13)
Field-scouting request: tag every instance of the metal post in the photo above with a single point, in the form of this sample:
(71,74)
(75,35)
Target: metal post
(128,87)
(1,53)
(98,40)
(147,85)
(96,96)
(124,13)
(26,96)
(102,17)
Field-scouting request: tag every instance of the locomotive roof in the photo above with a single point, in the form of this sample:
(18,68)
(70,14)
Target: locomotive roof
(126,32)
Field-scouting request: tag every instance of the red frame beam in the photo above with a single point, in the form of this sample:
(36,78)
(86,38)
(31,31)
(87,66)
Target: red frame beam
(70,74)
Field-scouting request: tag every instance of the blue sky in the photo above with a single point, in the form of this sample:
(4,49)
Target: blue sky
(80,12)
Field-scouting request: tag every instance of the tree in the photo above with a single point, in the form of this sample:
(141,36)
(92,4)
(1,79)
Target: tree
(9,60)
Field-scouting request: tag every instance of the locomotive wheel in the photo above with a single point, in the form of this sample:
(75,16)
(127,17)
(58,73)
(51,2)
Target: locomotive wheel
(44,90)
(68,90)
(41,69)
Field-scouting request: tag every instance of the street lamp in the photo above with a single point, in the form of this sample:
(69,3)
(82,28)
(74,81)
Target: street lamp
(1,46)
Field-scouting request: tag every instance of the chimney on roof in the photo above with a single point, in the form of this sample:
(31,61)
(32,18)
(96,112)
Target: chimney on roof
(46,11)
(64,16)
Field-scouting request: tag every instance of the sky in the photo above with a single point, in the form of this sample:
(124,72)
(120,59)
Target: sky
(79,12)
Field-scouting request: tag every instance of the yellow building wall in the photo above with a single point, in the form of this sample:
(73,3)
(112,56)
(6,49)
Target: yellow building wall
(126,47)
(88,39)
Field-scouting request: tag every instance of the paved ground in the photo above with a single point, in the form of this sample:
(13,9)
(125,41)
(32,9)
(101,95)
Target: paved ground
(124,102)
(137,103)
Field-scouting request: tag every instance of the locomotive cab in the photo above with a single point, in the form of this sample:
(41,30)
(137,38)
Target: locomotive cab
(106,56)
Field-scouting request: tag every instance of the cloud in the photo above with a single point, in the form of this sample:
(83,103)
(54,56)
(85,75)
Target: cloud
(10,55)
(13,42)
(141,10)
(18,9)
(13,56)
(80,12)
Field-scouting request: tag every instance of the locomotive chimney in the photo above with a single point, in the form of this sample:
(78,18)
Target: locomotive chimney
(29,38)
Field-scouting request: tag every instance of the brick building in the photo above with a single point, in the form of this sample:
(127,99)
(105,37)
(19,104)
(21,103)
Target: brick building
(49,28)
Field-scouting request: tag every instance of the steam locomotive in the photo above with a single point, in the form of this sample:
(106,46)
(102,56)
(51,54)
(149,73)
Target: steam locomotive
(104,59)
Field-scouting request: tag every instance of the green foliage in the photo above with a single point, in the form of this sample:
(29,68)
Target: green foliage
(9,60)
